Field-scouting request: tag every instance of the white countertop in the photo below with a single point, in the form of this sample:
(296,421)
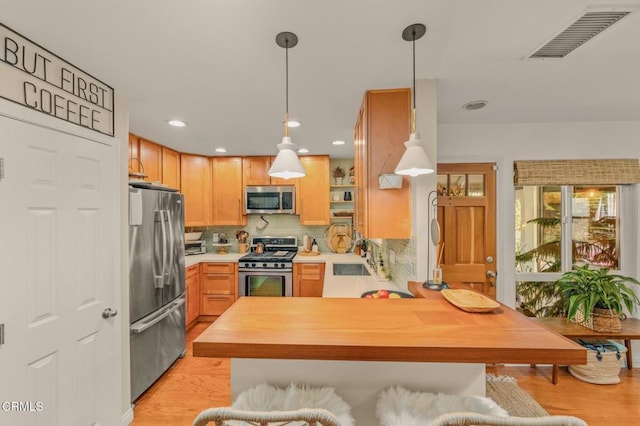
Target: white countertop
(334,285)
(345,285)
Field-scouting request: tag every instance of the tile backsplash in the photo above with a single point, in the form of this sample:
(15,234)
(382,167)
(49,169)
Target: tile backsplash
(279,225)
(403,251)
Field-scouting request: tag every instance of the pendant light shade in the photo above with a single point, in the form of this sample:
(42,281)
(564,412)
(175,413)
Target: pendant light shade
(287,165)
(414,161)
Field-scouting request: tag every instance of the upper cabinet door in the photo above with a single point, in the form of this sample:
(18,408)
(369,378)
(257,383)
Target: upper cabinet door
(196,187)
(151,159)
(255,170)
(170,168)
(313,196)
(228,191)
(386,117)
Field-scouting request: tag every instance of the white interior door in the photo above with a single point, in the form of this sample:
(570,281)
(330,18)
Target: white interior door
(59,260)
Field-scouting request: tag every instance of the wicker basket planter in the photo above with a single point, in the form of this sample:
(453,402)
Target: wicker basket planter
(595,298)
(602,320)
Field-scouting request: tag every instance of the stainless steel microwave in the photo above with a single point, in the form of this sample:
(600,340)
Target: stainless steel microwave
(270,199)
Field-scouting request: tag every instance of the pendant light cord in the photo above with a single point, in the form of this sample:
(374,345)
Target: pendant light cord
(286,102)
(413,113)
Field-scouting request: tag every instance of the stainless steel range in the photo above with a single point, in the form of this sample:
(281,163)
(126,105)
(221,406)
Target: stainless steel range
(268,269)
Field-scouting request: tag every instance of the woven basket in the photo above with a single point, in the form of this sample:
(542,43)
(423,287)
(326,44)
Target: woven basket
(604,359)
(602,320)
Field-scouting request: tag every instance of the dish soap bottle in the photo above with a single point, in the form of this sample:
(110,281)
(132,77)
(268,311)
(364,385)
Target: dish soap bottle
(314,246)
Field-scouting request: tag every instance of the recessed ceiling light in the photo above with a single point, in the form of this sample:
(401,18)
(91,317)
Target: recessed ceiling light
(474,105)
(176,123)
(303,150)
(293,123)
(221,149)
(338,142)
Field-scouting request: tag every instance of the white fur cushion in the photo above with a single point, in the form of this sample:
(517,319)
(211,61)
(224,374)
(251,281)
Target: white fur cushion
(265,397)
(399,407)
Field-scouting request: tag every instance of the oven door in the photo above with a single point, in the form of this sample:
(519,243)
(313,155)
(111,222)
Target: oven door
(265,283)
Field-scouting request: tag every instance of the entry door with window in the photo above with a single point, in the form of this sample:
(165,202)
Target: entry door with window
(467,219)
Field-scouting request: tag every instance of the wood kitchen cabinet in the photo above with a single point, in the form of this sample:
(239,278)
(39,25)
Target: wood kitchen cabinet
(151,158)
(313,194)
(228,193)
(308,279)
(170,168)
(255,171)
(159,163)
(134,152)
(382,127)
(195,181)
(192,291)
(218,285)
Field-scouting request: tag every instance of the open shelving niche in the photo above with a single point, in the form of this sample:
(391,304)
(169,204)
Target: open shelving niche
(341,205)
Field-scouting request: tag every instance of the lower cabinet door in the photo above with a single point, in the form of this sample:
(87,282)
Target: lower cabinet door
(215,304)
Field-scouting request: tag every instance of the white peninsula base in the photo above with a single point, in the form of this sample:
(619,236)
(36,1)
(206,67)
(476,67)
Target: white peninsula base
(359,382)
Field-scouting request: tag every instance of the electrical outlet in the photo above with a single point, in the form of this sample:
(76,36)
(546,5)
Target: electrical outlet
(392,257)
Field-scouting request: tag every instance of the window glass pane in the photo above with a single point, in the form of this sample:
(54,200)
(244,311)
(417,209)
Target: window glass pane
(476,185)
(537,299)
(595,225)
(538,229)
(443,185)
(457,185)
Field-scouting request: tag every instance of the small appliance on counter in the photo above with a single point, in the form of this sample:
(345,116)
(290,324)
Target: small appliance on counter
(195,247)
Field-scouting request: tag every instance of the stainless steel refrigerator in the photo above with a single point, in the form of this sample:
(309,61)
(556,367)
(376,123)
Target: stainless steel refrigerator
(156,280)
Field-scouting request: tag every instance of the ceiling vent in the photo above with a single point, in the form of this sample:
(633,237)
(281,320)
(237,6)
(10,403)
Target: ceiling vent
(584,29)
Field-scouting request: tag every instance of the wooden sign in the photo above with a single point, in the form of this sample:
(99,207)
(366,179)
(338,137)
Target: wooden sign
(36,78)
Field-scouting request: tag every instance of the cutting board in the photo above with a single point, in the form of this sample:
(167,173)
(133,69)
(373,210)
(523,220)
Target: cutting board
(339,238)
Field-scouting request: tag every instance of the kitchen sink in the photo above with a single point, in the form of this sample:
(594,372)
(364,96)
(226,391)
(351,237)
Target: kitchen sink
(350,269)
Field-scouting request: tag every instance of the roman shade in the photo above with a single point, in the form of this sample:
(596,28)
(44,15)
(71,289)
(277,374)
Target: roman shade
(576,172)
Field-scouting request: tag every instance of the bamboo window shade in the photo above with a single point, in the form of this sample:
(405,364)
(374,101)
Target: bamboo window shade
(576,172)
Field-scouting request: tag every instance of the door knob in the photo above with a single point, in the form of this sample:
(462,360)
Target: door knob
(108,313)
(491,274)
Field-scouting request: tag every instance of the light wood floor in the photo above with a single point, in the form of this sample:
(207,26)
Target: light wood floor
(193,384)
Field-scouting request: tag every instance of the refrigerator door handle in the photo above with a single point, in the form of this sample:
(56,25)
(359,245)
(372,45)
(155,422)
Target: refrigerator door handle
(158,276)
(159,317)
(171,251)
(164,273)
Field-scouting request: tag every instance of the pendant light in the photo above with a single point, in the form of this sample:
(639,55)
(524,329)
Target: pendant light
(287,165)
(414,161)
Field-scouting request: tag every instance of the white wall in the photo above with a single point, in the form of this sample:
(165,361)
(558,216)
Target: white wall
(121,127)
(504,143)
(427,126)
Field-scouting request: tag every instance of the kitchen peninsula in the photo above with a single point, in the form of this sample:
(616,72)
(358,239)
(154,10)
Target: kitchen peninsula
(361,346)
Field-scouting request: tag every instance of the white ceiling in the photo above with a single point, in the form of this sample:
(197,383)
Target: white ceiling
(215,63)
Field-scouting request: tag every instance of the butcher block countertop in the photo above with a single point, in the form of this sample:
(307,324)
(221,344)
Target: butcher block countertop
(427,329)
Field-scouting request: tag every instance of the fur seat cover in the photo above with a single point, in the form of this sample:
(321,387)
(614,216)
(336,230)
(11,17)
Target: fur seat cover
(398,406)
(266,397)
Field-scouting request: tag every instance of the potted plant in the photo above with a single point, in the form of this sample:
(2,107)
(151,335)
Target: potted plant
(596,298)
(338,175)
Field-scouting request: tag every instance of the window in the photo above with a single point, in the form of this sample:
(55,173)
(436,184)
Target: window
(557,227)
